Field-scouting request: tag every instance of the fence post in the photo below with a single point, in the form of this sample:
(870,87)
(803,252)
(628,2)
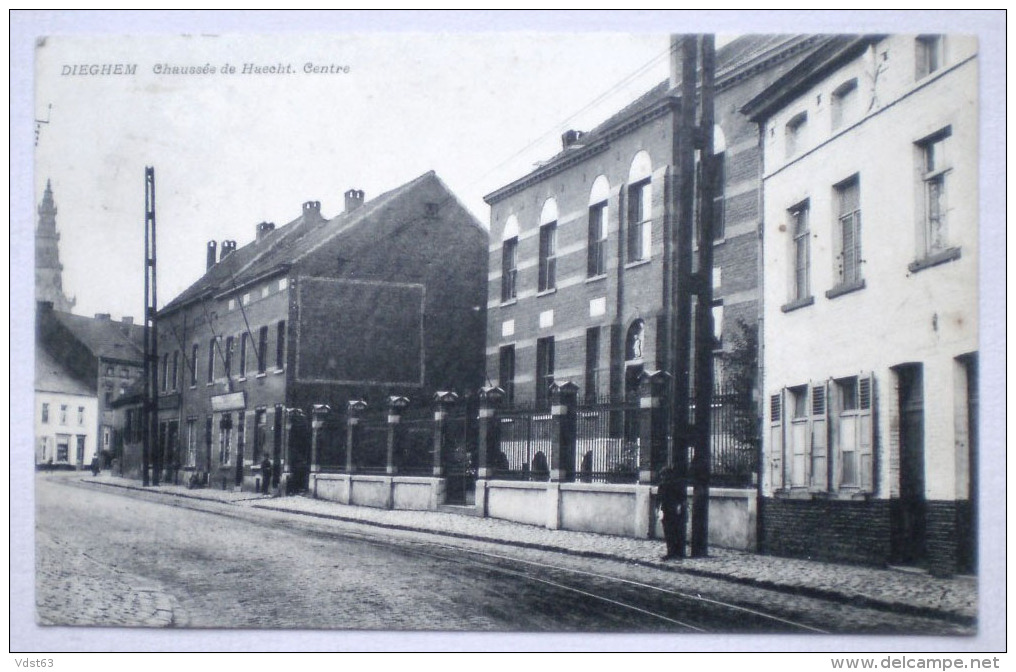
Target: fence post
(490,399)
(563,399)
(442,400)
(653,423)
(317,421)
(353,410)
(395,407)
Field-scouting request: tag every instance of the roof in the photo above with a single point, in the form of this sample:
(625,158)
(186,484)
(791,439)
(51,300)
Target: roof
(52,376)
(832,52)
(280,249)
(105,338)
(735,61)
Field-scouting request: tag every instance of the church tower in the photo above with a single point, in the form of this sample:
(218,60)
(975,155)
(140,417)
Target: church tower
(48,269)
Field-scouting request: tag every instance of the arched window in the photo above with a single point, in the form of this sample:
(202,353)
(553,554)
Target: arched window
(794,135)
(640,208)
(548,246)
(597,246)
(510,259)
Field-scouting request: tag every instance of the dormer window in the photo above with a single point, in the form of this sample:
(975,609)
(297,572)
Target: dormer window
(929,54)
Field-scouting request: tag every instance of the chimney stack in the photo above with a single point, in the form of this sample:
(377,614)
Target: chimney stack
(105,317)
(263,229)
(210,256)
(312,208)
(354,199)
(569,138)
(227,248)
(675,61)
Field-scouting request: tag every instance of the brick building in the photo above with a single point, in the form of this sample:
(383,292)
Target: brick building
(577,283)
(385,299)
(871,337)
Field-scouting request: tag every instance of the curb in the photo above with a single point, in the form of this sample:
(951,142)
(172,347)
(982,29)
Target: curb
(804,591)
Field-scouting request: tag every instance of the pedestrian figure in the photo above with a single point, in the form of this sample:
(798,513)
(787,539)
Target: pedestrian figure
(266,474)
(668,495)
(95,466)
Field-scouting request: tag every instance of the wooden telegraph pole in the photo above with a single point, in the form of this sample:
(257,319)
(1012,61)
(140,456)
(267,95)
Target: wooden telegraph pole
(690,135)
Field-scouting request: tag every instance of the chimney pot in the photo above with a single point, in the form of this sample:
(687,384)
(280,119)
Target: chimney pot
(354,199)
(210,256)
(227,248)
(570,137)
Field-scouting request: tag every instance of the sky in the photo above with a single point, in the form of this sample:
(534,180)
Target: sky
(231,150)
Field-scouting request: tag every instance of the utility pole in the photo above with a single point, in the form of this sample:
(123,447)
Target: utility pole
(702,462)
(150,432)
(682,204)
(690,284)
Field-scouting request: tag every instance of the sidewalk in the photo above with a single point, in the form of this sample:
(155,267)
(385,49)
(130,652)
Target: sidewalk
(915,593)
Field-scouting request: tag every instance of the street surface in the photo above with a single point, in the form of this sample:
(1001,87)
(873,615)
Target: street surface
(110,556)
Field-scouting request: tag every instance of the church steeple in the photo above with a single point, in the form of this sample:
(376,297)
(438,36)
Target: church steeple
(48,269)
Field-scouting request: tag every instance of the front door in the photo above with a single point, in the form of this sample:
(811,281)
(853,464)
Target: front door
(909,512)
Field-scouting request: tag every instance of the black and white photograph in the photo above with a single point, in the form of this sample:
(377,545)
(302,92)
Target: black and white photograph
(474,331)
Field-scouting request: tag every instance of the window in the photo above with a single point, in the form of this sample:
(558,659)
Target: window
(63,414)
(844,102)
(211,360)
(165,371)
(597,254)
(176,367)
(243,355)
(192,446)
(241,418)
(280,345)
(801,290)
(194,365)
(848,241)
(125,372)
(548,256)
(79,453)
(225,438)
(208,441)
(929,55)
(509,269)
(719,185)
(228,357)
(506,372)
(935,166)
(259,437)
(262,349)
(592,363)
(81,415)
(45,414)
(544,369)
(62,444)
(109,370)
(640,226)
(794,134)
(854,433)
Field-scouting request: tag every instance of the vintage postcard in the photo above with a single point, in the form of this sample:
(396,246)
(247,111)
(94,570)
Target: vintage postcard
(670,333)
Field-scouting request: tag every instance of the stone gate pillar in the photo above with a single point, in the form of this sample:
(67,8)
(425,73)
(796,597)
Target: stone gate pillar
(563,402)
(490,400)
(354,409)
(318,415)
(654,416)
(395,432)
(442,402)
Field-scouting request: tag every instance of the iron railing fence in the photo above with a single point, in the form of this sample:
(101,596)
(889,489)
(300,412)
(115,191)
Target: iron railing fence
(524,445)
(607,442)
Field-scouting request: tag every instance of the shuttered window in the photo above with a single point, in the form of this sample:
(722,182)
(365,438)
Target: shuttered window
(776,441)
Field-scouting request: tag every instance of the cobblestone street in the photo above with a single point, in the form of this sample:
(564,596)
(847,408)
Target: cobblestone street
(170,557)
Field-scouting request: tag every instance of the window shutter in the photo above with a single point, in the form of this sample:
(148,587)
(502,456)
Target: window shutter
(819,416)
(866,431)
(659,202)
(776,440)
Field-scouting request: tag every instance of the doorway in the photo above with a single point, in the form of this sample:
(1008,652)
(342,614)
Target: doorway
(909,512)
